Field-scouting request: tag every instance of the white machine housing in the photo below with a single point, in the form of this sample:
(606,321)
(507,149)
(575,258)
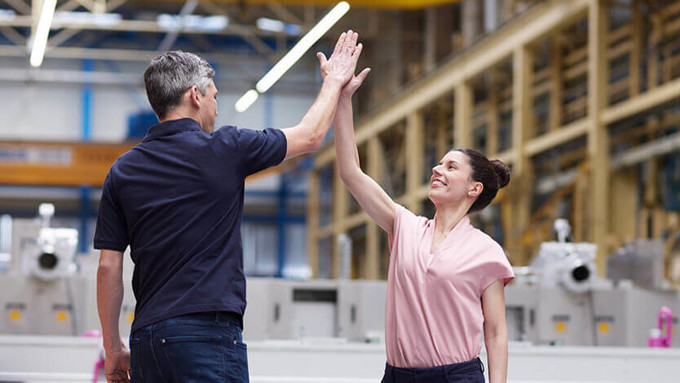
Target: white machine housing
(51,255)
(571,265)
(563,263)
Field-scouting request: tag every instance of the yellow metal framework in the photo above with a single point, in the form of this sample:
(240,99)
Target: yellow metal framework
(597,78)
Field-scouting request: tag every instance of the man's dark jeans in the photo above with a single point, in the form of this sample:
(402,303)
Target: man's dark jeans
(202,347)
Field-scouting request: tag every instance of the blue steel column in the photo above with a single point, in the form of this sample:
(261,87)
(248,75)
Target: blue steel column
(86,123)
(88,66)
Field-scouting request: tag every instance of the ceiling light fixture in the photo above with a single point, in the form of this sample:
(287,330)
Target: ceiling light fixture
(293,55)
(86,18)
(271,25)
(7,15)
(278,26)
(42,32)
(173,23)
(246,101)
(302,46)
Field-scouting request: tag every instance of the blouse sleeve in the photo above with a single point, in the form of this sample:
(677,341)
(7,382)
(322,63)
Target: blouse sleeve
(498,267)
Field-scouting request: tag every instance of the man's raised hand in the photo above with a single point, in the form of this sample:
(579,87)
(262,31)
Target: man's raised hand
(343,62)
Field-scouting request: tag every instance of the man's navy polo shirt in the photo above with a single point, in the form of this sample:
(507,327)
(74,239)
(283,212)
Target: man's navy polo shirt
(177,200)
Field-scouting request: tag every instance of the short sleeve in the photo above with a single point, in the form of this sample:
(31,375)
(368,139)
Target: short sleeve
(498,267)
(260,149)
(111,231)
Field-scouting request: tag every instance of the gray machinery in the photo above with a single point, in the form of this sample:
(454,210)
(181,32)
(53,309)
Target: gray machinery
(39,293)
(51,255)
(46,288)
(560,300)
(565,264)
(287,309)
(641,262)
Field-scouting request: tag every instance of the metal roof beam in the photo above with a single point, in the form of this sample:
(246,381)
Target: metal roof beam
(140,26)
(171,37)
(12,35)
(249,34)
(116,54)
(68,76)
(62,36)
(384,4)
(88,4)
(68,6)
(65,34)
(19,6)
(284,14)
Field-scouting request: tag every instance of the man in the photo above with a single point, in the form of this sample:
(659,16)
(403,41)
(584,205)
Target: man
(177,199)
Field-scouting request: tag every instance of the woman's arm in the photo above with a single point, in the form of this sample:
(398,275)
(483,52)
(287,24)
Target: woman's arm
(308,135)
(495,331)
(372,198)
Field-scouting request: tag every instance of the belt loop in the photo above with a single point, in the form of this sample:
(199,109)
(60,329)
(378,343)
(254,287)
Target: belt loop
(218,316)
(481,363)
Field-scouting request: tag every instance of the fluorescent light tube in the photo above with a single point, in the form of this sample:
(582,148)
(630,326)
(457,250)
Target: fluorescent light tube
(42,32)
(7,15)
(302,46)
(173,23)
(246,101)
(271,25)
(86,18)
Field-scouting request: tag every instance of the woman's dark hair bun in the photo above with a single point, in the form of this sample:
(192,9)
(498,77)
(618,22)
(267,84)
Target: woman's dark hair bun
(502,171)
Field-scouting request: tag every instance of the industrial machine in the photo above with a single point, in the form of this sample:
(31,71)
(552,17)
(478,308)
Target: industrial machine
(641,262)
(289,309)
(565,264)
(559,299)
(46,287)
(52,254)
(40,293)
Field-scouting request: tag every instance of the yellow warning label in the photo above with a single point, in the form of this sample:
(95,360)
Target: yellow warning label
(62,316)
(130,317)
(560,327)
(603,327)
(14,315)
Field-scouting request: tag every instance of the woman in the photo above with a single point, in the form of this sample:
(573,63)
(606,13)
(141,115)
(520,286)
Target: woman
(446,278)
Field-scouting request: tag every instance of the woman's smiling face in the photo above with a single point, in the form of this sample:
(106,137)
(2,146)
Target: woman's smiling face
(451,178)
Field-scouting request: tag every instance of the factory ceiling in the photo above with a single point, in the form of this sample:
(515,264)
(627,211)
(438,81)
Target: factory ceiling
(389,4)
(122,30)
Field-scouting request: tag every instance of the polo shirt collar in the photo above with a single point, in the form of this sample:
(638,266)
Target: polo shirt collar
(171,127)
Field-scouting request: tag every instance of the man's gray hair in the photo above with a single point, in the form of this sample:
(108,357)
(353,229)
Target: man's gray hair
(170,74)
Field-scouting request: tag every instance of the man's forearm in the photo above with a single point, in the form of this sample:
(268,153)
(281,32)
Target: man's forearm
(109,301)
(317,121)
(497,355)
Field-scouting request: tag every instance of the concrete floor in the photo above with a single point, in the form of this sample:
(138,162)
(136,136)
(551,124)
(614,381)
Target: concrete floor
(68,359)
